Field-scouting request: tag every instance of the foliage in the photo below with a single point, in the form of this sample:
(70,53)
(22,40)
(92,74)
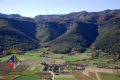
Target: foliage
(109,37)
(76,37)
(12,38)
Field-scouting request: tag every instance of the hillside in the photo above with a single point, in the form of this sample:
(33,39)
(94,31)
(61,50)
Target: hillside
(78,36)
(81,30)
(14,34)
(63,33)
(109,36)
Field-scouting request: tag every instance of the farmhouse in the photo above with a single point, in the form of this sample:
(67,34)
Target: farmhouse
(54,68)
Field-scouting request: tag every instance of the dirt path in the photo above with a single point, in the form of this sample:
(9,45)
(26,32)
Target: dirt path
(1,77)
(97,76)
(52,74)
(93,69)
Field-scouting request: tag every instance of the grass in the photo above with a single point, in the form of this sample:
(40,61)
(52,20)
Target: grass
(9,77)
(101,60)
(64,78)
(108,76)
(5,58)
(28,77)
(37,68)
(25,56)
(25,75)
(57,56)
(36,54)
(69,58)
(77,57)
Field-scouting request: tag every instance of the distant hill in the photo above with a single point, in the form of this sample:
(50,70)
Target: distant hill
(109,36)
(62,33)
(17,34)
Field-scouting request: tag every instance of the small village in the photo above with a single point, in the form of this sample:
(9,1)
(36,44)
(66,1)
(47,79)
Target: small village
(49,68)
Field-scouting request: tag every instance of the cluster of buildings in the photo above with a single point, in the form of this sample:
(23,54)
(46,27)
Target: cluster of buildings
(55,68)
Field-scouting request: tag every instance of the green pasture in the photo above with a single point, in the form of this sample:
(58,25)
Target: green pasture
(28,77)
(69,58)
(37,68)
(77,57)
(108,76)
(36,54)
(101,60)
(24,75)
(65,77)
(5,58)
(24,56)
(56,56)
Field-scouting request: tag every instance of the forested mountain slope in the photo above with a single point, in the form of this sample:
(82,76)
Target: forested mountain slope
(63,33)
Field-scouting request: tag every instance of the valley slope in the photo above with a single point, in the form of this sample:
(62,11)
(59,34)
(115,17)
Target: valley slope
(63,33)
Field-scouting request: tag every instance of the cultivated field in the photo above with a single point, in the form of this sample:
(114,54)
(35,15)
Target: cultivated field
(80,76)
(108,76)
(31,64)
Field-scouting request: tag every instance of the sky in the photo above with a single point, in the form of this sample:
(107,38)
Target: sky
(31,8)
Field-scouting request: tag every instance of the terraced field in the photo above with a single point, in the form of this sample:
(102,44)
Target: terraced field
(80,76)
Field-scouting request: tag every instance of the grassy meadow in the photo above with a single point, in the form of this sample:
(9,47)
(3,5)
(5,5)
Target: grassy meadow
(108,76)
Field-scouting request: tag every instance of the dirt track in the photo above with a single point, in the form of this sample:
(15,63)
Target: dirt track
(93,69)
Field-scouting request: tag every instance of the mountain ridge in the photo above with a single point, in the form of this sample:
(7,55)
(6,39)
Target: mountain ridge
(77,30)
